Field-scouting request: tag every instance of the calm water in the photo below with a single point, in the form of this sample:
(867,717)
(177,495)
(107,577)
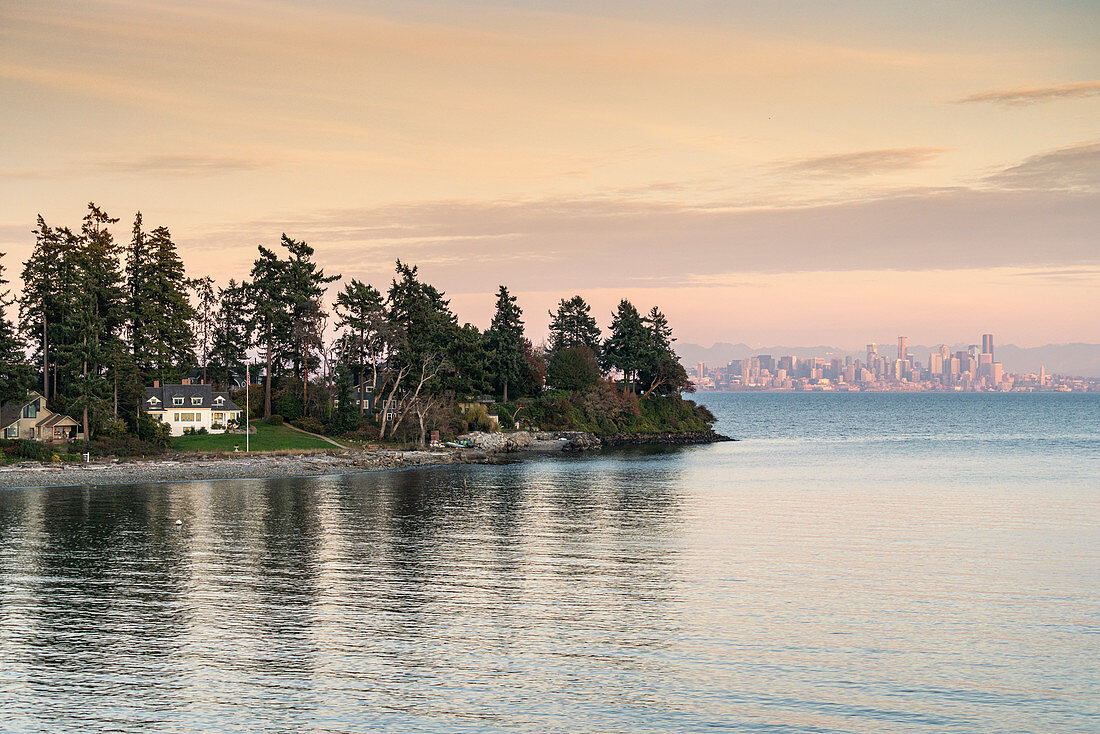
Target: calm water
(859,563)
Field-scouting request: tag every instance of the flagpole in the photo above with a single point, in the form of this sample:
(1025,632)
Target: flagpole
(247,385)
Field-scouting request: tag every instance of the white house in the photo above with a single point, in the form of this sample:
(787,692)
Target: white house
(191,406)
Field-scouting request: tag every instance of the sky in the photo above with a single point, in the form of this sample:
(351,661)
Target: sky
(768,173)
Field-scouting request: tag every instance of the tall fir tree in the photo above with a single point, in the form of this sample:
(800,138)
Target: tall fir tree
(171,343)
(506,342)
(91,320)
(205,309)
(361,310)
(288,318)
(661,371)
(41,302)
(15,374)
(627,347)
(270,322)
(306,284)
(231,334)
(573,325)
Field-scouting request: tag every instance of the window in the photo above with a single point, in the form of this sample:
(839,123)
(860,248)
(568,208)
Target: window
(177,400)
(196,400)
(13,432)
(31,411)
(189,417)
(219,400)
(177,418)
(153,400)
(219,416)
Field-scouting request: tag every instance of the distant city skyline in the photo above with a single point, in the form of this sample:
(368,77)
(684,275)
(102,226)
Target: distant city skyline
(973,369)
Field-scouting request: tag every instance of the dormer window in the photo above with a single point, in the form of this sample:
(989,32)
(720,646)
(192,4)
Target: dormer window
(196,400)
(219,400)
(153,400)
(177,400)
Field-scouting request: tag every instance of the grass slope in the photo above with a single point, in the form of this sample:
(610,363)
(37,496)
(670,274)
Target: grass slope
(266,438)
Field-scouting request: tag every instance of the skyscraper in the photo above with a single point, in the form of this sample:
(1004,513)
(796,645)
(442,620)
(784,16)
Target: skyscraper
(987,344)
(903,349)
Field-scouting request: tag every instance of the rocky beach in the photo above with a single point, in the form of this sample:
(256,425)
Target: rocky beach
(478,448)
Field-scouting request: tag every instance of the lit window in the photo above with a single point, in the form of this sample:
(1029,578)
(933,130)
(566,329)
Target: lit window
(219,416)
(177,418)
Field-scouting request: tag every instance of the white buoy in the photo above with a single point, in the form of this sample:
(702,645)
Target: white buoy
(179,522)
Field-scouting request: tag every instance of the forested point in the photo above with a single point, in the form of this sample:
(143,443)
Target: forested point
(99,320)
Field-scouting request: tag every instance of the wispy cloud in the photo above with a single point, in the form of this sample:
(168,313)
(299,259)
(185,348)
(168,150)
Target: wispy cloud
(864,162)
(1035,95)
(1061,275)
(1074,168)
(181,164)
(608,242)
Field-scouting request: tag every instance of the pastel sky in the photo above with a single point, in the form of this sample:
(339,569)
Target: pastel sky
(766,172)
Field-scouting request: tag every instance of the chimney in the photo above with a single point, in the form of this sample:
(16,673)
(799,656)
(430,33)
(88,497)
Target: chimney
(156,383)
(186,381)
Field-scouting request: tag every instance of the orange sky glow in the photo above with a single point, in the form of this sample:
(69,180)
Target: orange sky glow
(767,173)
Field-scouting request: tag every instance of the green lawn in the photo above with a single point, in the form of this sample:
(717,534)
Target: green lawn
(266,438)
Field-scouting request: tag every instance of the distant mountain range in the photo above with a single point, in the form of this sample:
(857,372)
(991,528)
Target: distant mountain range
(1077,360)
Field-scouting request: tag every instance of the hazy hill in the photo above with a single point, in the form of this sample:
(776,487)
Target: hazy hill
(1081,360)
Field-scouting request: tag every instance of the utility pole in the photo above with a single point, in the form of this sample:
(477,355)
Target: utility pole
(247,424)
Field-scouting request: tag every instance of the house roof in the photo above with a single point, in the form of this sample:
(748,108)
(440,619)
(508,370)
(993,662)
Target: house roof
(54,419)
(205,393)
(12,410)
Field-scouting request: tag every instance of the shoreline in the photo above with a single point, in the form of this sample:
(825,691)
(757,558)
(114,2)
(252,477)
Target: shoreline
(484,448)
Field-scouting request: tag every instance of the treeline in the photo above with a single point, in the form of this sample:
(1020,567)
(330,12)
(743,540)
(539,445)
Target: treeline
(101,320)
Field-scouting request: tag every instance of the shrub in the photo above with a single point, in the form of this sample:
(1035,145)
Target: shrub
(310,424)
(477,418)
(573,368)
(128,445)
(367,431)
(288,405)
(33,451)
(275,420)
(154,432)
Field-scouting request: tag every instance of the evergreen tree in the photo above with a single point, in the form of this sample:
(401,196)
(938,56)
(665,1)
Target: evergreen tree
(270,320)
(573,368)
(661,369)
(362,313)
(40,306)
(91,319)
(305,289)
(230,340)
(574,326)
(288,316)
(426,337)
(345,418)
(628,346)
(141,305)
(15,374)
(205,308)
(170,343)
(505,342)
